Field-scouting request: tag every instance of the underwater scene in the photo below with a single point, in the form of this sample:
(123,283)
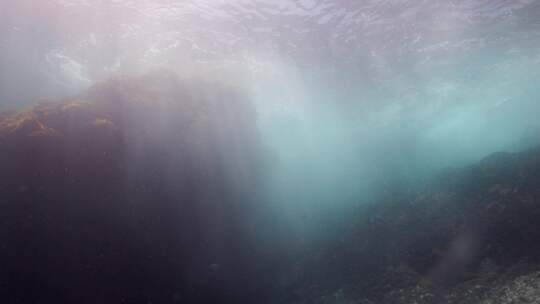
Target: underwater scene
(270,151)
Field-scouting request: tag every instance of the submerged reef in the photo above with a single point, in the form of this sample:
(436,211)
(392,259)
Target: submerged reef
(468,235)
(129,193)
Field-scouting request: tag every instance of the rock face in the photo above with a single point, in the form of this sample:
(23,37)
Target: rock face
(128,193)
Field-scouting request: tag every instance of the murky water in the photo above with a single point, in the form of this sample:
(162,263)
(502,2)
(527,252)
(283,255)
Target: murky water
(282,151)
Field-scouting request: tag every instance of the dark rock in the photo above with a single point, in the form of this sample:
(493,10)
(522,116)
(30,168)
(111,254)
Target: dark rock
(127,192)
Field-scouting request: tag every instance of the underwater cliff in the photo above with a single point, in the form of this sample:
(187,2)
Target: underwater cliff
(129,192)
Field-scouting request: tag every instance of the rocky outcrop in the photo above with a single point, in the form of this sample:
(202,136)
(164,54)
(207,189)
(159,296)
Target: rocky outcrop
(129,193)
(469,235)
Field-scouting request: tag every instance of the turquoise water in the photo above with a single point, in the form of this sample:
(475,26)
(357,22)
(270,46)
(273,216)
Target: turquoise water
(337,145)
